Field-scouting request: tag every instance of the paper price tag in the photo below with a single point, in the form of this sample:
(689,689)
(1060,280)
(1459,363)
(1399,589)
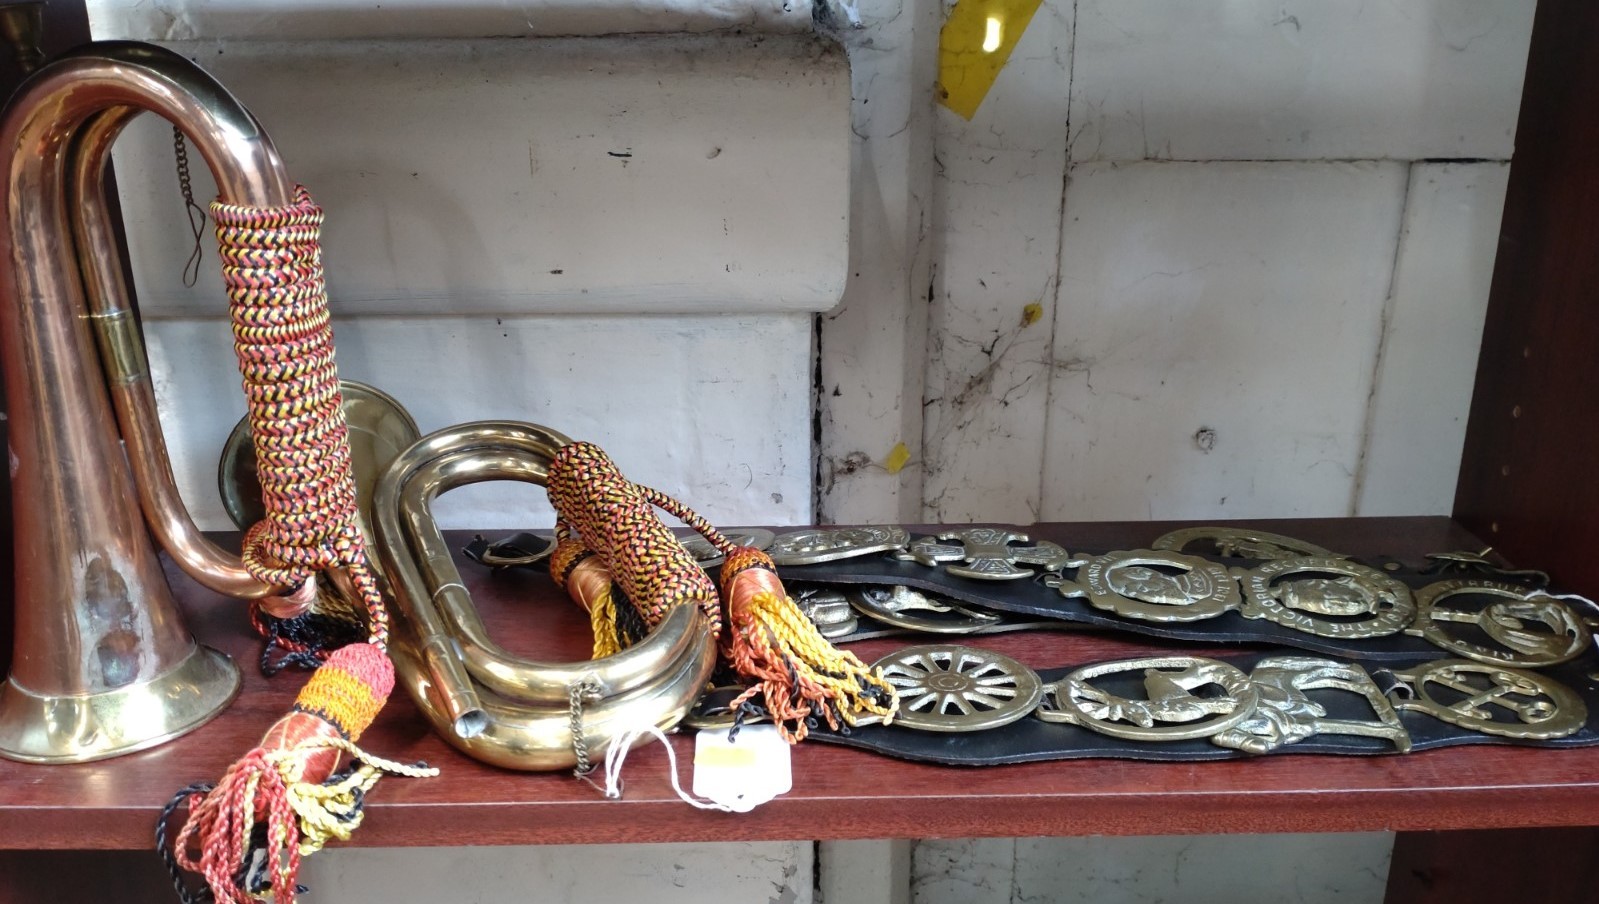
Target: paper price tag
(742,774)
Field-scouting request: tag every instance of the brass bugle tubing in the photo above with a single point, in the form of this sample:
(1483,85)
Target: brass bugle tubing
(518,736)
(490,664)
(122,354)
(497,707)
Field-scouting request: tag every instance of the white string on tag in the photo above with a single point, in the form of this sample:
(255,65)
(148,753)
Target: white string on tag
(1570,597)
(616,754)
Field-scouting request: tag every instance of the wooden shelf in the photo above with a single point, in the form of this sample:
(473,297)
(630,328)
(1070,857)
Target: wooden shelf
(838,793)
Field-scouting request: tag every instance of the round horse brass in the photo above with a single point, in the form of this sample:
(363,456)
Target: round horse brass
(949,688)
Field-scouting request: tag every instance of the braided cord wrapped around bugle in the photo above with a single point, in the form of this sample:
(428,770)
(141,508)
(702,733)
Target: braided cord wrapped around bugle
(615,556)
(288,784)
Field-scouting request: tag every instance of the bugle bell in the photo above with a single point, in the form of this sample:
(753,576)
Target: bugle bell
(103,664)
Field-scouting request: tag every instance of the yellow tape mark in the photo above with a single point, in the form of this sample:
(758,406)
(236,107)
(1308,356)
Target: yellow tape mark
(726,757)
(897,458)
(975,45)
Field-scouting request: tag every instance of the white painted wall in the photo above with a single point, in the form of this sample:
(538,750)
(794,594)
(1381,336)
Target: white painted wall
(1273,221)
(1236,181)
(623,238)
(1276,229)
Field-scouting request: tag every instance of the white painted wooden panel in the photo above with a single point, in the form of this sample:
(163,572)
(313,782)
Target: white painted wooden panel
(597,175)
(863,872)
(870,366)
(1216,869)
(1216,333)
(1300,79)
(1442,275)
(712,410)
(179,20)
(963,871)
(999,181)
(778,872)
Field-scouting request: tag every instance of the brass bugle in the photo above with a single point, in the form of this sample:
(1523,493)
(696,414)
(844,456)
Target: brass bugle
(494,706)
(103,664)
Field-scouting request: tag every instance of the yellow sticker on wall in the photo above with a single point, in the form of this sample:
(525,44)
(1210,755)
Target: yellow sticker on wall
(974,46)
(898,457)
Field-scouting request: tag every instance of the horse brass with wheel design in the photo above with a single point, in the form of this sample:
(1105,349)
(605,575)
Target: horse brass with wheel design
(948,688)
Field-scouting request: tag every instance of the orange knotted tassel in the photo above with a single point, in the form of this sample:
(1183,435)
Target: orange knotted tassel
(798,673)
(284,784)
(620,562)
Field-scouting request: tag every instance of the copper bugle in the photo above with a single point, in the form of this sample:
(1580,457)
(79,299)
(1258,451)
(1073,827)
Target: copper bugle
(103,663)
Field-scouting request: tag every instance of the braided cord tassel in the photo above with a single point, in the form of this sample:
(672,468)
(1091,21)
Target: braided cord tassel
(797,671)
(610,542)
(286,786)
(616,521)
(282,798)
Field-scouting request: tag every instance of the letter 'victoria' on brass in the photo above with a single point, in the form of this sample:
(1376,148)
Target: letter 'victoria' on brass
(1242,543)
(1169,710)
(1140,585)
(943,687)
(1529,627)
(1327,597)
(816,545)
(986,553)
(1492,699)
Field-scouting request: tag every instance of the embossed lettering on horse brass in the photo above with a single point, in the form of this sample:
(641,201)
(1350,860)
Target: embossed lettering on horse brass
(1153,586)
(1326,597)
(1528,628)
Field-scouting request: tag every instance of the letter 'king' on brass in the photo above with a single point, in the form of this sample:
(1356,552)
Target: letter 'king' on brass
(103,664)
(1529,628)
(949,688)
